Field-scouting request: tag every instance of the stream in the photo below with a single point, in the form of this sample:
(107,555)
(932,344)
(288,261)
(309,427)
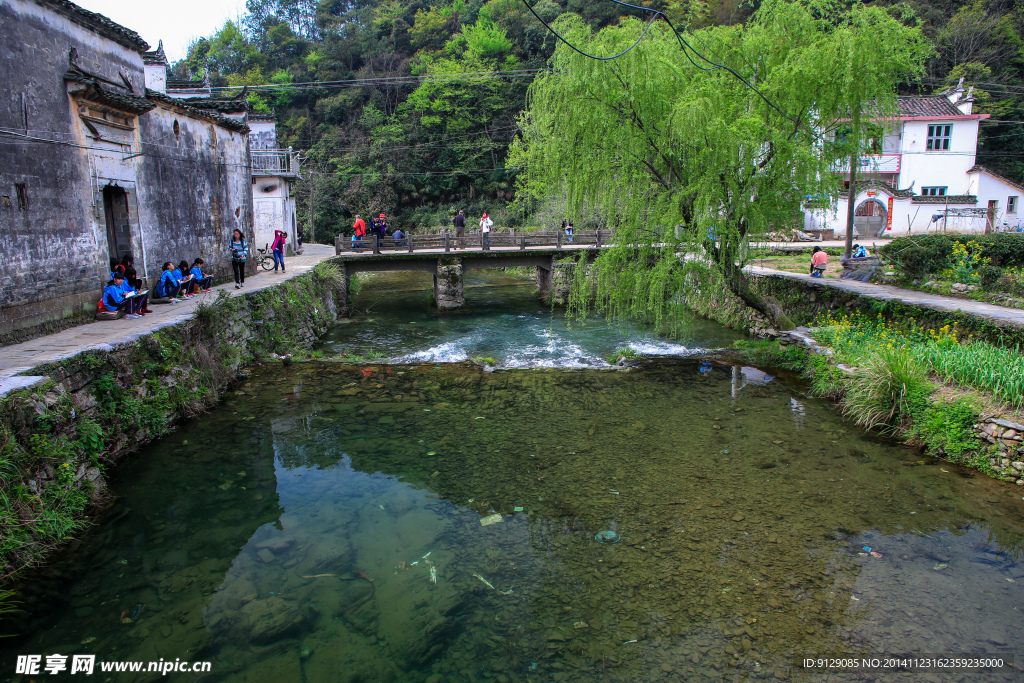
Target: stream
(556,519)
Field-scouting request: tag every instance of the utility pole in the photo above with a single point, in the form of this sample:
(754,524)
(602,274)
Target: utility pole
(312,198)
(851,196)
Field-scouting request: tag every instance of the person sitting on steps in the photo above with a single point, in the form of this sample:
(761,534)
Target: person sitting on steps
(185,278)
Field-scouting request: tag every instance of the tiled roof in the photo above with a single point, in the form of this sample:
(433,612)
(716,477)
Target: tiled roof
(216,104)
(253,116)
(979,168)
(945,199)
(884,186)
(936,105)
(98,23)
(156,56)
(196,112)
(96,93)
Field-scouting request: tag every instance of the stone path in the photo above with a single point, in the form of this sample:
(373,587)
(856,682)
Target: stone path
(999,315)
(21,358)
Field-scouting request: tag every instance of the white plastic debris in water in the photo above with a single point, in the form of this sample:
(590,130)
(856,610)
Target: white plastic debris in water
(490,519)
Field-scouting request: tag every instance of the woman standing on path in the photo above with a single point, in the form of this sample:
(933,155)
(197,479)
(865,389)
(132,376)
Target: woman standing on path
(278,248)
(239,253)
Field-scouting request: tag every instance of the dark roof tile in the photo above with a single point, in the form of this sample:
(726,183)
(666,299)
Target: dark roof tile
(196,112)
(94,92)
(945,199)
(936,105)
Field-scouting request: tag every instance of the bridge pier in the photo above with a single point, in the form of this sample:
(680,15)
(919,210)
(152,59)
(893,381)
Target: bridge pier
(448,292)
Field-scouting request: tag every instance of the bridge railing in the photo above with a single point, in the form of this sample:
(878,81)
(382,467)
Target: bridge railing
(476,241)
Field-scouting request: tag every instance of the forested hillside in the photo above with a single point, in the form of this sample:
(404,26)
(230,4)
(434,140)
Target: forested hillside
(409,106)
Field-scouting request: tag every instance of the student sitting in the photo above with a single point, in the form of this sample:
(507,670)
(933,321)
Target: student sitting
(184,279)
(114,300)
(130,275)
(202,281)
(139,302)
(860,251)
(169,285)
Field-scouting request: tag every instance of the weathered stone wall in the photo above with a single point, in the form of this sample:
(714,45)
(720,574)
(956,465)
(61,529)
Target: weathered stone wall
(194,190)
(53,257)
(100,405)
(78,121)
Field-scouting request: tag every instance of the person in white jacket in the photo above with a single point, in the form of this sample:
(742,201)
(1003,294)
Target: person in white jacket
(485,228)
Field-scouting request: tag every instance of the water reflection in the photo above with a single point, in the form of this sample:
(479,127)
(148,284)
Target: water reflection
(325,524)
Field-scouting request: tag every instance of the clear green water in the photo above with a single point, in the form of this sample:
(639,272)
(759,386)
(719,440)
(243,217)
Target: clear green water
(290,535)
(502,319)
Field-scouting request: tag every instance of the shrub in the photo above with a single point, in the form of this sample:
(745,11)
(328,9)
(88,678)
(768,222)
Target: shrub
(989,276)
(919,255)
(891,385)
(948,430)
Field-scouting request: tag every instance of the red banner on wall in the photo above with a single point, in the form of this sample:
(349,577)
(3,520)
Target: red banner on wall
(888,216)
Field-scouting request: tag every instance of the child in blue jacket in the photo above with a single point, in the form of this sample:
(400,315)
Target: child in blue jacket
(202,281)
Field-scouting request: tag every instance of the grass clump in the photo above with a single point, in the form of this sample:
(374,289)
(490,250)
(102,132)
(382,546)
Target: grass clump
(891,385)
(624,352)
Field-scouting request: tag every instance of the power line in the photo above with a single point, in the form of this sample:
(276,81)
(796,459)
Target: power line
(386,80)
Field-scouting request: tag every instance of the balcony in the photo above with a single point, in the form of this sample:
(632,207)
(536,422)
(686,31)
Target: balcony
(874,163)
(279,162)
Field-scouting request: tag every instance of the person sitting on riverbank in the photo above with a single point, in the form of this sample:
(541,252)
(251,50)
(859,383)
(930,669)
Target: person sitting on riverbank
(138,302)
(114,299)
(819,261)
(202,281)
(169,286)
(860,251)
(185,278)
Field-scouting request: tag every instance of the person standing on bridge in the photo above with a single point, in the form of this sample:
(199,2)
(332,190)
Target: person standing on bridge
(460,229)
(358,233)
(381,226)
(485,228)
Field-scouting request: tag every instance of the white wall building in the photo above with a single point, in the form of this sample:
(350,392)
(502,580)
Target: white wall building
(925,177)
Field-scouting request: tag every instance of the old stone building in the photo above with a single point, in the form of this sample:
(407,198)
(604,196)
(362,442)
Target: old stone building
(93,166)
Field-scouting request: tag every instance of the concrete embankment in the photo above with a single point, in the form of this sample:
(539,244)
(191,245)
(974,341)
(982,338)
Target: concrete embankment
(73,418)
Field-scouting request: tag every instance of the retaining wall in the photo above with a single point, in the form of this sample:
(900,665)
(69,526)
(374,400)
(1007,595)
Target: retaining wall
(58,437)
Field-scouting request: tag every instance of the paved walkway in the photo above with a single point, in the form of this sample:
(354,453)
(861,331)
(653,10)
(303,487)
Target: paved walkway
(21,358)
(999,315)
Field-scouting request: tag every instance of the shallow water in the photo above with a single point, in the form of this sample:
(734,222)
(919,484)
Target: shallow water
(502,319)
(290,535)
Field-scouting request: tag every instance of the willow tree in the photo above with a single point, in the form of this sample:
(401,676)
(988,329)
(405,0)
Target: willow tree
(692,159)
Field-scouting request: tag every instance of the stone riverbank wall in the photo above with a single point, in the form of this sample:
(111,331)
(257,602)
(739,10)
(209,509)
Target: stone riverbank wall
(58,437)
(804,301)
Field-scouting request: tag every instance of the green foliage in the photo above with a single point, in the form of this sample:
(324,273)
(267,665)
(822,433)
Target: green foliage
(947,428)
(769,353)
(623,352)
(922,255)
(890,385)
(964,263)
(989,275)
(696,158)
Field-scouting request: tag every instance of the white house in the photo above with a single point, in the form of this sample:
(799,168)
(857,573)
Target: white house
(924,177)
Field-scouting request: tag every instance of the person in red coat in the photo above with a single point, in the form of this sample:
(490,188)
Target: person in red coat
(358,233)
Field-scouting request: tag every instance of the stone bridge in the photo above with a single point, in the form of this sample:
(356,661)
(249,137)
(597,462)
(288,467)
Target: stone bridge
(448,267)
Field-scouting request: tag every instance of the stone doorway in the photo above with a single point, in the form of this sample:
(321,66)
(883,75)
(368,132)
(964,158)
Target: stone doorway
(119,231)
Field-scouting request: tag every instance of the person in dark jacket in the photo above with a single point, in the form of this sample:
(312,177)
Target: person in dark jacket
(460,228)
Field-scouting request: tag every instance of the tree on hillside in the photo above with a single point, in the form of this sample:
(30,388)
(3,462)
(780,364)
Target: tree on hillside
(683,153)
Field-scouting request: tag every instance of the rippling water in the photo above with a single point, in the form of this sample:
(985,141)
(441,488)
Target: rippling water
(502,319)
(436,523)
(292,534)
